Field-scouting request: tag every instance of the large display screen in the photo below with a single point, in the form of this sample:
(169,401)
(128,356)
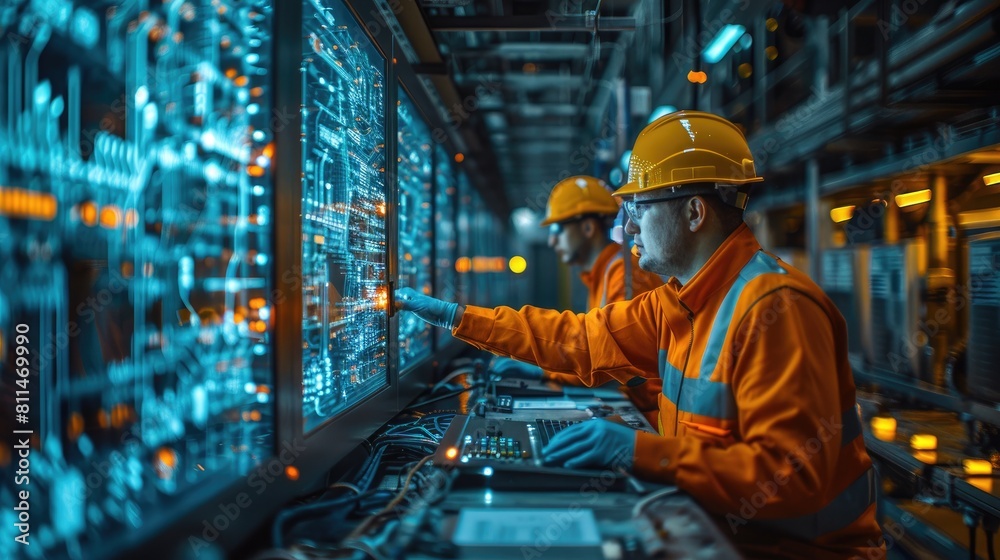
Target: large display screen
(344,284)
(416,229)
(135,251)
(445,234)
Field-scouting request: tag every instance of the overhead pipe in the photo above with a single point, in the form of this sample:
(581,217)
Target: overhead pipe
(616,62)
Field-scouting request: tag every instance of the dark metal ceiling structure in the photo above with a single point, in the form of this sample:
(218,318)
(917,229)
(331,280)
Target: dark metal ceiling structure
(537,90)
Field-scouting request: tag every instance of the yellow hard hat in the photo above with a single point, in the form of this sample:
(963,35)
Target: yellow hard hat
(689,147)
(578,196)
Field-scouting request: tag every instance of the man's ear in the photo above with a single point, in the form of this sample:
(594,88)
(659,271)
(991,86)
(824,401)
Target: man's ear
(697,213)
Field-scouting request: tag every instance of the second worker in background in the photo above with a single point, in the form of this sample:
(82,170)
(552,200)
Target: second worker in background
(579,215)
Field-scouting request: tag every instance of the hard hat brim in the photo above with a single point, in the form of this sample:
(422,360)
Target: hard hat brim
(628,189)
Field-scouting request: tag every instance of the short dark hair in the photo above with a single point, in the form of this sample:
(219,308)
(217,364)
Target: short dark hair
(730,217)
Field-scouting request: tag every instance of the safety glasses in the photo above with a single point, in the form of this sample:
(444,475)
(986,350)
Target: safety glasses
(635,209)
(559,227)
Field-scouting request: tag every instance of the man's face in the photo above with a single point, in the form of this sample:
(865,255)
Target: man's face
(568,241)
(661,233)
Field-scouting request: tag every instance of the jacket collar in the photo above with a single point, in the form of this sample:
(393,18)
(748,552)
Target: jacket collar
(719,271)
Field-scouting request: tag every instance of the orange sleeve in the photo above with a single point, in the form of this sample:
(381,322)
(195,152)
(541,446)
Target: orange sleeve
(601,345)
(789,419)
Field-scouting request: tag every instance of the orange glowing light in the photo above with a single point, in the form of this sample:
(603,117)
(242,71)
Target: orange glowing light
(242,81)
(451,453)
(263,389)
(257,303)
(231,73)
(463,265)
(167,457)
(698,77)
(111,216)
(257,91)
(291,472)
(255,171)
(268,150)
(75,427)
(255,416)
(459,157)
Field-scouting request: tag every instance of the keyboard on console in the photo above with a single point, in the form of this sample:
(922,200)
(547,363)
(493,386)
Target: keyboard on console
(506,454)
(548,428)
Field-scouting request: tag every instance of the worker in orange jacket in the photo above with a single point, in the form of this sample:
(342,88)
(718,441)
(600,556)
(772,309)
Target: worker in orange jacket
(758,420)
(579,214)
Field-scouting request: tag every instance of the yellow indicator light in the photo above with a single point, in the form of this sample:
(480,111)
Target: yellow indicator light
(842,214)
(909,199)
(923,442)
(977,466)
(451,453)
(517,264)
(883,423)
(883,428)
(991,179)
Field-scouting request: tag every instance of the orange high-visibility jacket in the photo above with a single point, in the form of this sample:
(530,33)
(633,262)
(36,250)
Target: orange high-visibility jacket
(757,419)
(605,282)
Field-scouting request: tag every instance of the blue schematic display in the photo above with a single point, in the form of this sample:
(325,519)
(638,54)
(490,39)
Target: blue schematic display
(415,225)
(445,234)
(344,292)
(135,219)
(463,228)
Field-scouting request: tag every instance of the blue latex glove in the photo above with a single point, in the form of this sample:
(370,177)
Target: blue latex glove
(592,444)
(434,311)
(509,367)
